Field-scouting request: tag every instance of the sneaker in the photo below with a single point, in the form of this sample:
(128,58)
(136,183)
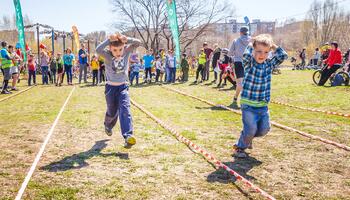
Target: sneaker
(239,153)
(14,89)
(195,82)
(234,99)
(129,142)
(108,131)
(5,92)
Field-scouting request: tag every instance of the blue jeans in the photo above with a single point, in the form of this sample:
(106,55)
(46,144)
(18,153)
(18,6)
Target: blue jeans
(118,104)
(171,75)
(134,75)
(32,74)
(44,74)
(256,123)
(68,70)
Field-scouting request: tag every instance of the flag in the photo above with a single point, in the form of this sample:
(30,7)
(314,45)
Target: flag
(171,7)
(20,28)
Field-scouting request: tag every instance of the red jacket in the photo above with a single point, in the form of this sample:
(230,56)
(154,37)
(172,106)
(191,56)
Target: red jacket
(334,58)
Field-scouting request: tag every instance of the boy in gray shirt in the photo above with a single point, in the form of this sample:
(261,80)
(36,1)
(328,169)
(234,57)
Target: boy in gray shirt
(116,89)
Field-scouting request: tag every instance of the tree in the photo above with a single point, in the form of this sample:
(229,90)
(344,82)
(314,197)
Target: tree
(147,20)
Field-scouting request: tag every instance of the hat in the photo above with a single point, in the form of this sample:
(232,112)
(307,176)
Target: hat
(244,30)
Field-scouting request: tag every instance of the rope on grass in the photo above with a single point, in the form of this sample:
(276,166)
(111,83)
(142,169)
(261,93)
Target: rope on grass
(13,95)
(203,152)
(281,126)
(312,109)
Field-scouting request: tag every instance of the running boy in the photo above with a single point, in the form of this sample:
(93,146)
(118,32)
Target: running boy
(256,90)
(116,89)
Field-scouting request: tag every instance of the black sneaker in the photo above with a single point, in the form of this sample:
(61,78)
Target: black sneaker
(108,131)
(129,142)
(239,153)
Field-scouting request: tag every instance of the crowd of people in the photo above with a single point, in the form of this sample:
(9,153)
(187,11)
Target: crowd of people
(320,56)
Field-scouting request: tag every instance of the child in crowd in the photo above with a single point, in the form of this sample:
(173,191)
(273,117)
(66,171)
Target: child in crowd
(256,90)
(31,70)
(60,70)
(95,65)
(116,90)
(135,70)
(53,68)
(184,67)
(159,69)
(202,59)
(223,65)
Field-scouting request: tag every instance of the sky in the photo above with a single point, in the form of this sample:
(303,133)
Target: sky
(95,15)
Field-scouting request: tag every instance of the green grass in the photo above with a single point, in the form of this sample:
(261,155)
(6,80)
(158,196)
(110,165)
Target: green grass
(284,164)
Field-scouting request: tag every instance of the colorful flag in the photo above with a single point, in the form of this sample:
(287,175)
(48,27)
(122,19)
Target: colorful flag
(20,28)
(171,7)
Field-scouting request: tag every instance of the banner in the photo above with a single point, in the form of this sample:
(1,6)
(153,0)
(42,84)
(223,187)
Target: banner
(171,7)
(76,38)
(20,28)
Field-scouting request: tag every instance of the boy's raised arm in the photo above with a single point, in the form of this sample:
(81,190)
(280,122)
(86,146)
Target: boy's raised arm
(132,44)
(279,56)
(100,49)
(248,56)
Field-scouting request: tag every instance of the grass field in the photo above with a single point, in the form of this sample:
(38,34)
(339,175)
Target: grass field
(81,162)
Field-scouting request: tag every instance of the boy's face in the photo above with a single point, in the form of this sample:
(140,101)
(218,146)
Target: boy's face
(117,51)
(260,53)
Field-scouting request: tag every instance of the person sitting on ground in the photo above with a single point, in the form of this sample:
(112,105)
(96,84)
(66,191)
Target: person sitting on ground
(223,64)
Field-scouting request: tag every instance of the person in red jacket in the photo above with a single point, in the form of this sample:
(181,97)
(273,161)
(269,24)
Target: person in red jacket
(333,62)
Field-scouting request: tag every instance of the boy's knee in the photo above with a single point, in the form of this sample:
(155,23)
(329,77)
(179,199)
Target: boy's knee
(262,132)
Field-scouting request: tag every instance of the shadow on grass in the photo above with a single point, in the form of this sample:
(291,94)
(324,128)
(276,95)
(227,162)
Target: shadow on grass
(78,161)
(211,108)
(241,166)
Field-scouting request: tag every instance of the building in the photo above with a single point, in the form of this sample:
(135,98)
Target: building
(256,27)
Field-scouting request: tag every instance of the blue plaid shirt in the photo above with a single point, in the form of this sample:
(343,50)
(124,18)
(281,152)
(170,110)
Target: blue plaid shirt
(257,77)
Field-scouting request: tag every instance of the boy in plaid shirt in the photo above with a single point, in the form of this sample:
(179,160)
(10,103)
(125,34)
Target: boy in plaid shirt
(256,90)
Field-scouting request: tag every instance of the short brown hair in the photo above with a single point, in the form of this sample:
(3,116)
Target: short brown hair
(263,39)
(117,43)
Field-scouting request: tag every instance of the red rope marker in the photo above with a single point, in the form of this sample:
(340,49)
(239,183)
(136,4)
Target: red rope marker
(208,156)
(281,126)
(312,109)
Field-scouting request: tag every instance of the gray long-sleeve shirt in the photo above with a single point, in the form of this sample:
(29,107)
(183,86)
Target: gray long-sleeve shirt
(238,47)
(117,69)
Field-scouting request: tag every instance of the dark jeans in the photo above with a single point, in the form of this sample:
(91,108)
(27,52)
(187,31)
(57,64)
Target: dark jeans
(45,71)
(172,74)
(94,76)
(53,76)
(214,64)
(134,75)
(32,73)
(326,73)
(200,71)
(148,72)
(68,70)
(102,75)
(118,104)
(314,61)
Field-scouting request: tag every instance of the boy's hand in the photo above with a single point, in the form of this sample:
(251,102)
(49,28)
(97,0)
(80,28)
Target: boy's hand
(274,47)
